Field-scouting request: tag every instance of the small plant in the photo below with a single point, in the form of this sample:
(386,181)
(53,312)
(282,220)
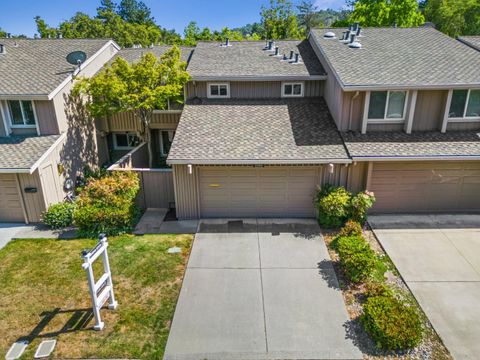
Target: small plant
(351,228)
(357,259)
(375,288)
(392,323)
(59,216)
(360,204)
(332,203)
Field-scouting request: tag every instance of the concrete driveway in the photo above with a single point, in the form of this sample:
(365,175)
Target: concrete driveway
(260,289)
(9,230)
(439,258)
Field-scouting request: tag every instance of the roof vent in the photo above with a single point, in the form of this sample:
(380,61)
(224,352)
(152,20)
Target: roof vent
(2,49)
(359,29)
(226,43)
(346,37)
(291,55)
(352,38)
(284,58)
(297,59)
(329,35)
(271,45)
(266,45)
(277,52)
(355,45)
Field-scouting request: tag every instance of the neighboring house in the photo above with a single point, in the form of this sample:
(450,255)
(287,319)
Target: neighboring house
(44,136)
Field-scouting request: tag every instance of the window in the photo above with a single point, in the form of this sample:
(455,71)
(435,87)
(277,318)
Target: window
(166,139)
(465,104)
(387,105)
(292,89)
(125,141)
(21,113)
(218,90)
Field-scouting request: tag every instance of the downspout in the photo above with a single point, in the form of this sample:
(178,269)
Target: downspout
(351,110)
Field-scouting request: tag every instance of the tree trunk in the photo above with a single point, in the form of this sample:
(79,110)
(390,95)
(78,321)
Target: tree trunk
(149,145)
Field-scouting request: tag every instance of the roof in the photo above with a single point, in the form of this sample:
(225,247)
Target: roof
(134,54)
(21,153)
(400,57)
(472,41)
(39,66)
(247,60)
(428,145)
(257,132)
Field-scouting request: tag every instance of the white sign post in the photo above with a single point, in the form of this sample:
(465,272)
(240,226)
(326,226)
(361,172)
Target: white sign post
(102,290)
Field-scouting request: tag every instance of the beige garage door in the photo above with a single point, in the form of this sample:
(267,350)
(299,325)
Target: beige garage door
(426,186)
(10,205)
(257,191)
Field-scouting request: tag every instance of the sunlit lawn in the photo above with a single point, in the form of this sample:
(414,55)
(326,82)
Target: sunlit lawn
(44,294)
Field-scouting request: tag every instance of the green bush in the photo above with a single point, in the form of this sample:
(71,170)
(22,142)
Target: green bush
(351,228)
(359,205)
(107,205)
(59,216)
(393,324)
(357,258)
(332,203)
(375,288)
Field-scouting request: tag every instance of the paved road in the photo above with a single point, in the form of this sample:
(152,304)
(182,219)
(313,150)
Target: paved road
(260,289)
(439,258)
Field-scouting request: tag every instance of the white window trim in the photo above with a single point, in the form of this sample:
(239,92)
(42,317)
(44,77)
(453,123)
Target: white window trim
(210,96)
(386,120)
(116,147)
(302,85)
(24,126)
(161,140)
(464,118)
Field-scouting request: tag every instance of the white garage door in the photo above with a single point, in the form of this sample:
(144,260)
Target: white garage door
(426,186)
(10,205)
(258,191)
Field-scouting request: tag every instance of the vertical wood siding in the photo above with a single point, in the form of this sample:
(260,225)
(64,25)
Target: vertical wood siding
(429,110)
(126,122)
(47,120)
(34,202)
(156,189)
(186,192)
(10,199)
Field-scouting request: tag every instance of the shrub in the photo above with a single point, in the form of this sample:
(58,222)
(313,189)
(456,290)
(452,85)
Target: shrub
(351,228)
(59,216)
(359,205)
(393,324)
(332,203)
(377,288)
(107,205)
(357,259)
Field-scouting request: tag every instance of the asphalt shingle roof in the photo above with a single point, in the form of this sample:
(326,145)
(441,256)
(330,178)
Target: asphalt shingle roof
(473,41)
(262,131)
(417,144)
(38,66)
(402,57)
(22,152)
(134,54)
(248,59)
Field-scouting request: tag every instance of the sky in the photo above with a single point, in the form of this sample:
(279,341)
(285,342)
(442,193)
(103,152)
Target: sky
(17,15)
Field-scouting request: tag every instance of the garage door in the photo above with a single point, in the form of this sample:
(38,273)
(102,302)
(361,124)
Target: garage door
(10,205)
(257,191)
(426,187)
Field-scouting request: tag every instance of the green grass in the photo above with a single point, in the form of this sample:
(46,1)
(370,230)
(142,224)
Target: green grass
(38,277)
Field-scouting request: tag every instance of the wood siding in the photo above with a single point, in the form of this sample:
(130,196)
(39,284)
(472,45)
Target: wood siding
(429,110)
(442,186)
(186,192)
(156,188)
(254,89)
(10,199)
(34,202)
(46,117)
(126,122)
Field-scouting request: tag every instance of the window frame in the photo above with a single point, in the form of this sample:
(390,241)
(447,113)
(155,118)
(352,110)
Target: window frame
(209,93)
(385,119)
(117,147)
(293,83)
(464,118)
(24,125)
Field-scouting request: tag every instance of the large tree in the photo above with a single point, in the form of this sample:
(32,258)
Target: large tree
(403,13)
(308,15)
(279,20)
(454,17)
(142,87)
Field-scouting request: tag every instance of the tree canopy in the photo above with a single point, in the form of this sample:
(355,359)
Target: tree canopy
(147,85)
(280,21)
(375,13)
(454,17)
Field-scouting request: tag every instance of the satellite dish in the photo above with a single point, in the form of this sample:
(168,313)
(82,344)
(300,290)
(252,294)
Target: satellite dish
(76,57)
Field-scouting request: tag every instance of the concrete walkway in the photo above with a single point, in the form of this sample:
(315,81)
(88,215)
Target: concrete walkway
(260,289)
(439,258)
(8,232)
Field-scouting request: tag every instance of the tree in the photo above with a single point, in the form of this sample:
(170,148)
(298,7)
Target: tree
(136,12)
(279,20)
(403,13)
(308,15)
(191,33)
(142,87)
(2,33)
(454,17)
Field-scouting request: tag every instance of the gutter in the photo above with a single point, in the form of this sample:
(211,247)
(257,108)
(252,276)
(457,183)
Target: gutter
(418,158)
(257,162)
(260,78)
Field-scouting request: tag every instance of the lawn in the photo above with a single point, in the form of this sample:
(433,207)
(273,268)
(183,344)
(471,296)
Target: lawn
(44,294)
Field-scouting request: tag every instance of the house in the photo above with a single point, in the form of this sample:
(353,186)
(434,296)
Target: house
(44,138)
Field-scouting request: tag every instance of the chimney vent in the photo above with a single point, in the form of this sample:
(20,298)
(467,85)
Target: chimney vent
(347,36)
(352,38)
(226,43)
(359,29)
(266,45)
(59,36)
(2,49)
(270,44)
(9,35)
(291,55)
(277,51)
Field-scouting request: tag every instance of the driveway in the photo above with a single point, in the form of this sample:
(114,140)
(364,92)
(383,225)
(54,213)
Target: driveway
(8,232)
(260,289)
(439,258)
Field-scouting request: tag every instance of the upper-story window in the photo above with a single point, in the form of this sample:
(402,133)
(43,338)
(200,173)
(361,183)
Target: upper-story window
(465,104)
(387,105)
(125,141)
(290,89)
(21,113)
(216,90)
